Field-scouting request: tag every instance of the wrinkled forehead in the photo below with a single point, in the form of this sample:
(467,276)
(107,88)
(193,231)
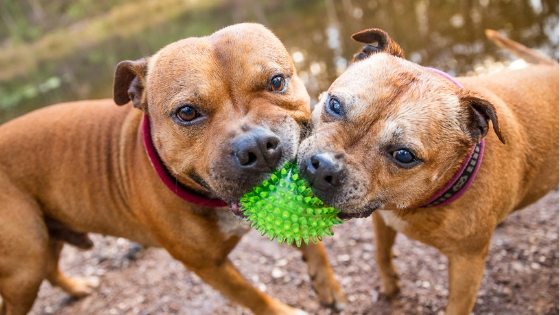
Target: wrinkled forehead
(233,57)
(395,97)
(252,42)
(372,86)
(181,67)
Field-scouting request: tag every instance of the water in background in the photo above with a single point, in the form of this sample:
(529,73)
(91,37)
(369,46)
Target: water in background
(61,50)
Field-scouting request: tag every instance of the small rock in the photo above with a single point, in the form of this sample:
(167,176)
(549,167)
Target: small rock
(517,266)
(277,273)
(374,296)
(134,249)
(368,247)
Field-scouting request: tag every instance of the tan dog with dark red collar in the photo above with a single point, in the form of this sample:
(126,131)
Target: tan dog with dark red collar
(224,111)
(390,134)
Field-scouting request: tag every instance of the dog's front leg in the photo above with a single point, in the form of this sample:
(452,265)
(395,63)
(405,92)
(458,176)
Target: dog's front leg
(384,239)
(465,275)
(322,276)
(226,279)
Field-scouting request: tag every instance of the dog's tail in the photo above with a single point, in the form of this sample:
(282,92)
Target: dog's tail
(519,50)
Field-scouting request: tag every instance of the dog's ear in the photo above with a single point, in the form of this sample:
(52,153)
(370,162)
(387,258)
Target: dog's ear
(479,113)
(381,42)
(129,82)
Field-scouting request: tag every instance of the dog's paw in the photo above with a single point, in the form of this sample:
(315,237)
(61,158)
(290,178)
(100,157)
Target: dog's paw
(390,287)
(83,286)
(329,293)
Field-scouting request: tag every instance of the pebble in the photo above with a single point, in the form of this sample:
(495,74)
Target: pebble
(277,273)
(374,296)
(517,266)
(367,247)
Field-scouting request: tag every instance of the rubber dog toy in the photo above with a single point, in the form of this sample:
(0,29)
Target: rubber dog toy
(284,207)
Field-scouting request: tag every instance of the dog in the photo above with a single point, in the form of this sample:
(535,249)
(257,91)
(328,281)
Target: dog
(415,144)
(202,122)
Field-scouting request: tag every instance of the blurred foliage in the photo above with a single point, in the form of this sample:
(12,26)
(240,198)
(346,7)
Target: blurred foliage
(61,50)
(28,20)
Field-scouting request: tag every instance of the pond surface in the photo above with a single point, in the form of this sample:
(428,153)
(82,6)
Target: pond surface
(77,61)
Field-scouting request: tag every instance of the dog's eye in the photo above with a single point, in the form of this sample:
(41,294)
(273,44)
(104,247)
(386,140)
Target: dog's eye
(335,107)
(404,156)
(186,113)
(277,84)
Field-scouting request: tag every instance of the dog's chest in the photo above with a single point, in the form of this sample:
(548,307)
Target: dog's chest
(230,225)
(393,220)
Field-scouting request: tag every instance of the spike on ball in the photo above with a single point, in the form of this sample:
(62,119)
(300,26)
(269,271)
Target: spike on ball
(283,207)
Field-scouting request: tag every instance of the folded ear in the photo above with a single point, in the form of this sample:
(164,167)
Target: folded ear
(129,82)
(381,43)
(479,112)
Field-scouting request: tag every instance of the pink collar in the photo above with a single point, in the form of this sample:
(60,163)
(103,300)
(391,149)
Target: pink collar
(463,179)
(169,180)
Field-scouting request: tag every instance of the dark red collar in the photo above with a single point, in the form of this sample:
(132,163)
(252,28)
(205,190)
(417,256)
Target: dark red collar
(169,180)
(463,179)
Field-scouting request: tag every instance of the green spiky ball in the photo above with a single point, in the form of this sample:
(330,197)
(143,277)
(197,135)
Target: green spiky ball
(285,208)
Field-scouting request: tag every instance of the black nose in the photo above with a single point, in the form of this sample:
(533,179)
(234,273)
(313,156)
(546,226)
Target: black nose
(257,150)
(324,171)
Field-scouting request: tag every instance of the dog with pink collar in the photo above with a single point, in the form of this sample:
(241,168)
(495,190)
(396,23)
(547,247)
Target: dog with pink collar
(415,144)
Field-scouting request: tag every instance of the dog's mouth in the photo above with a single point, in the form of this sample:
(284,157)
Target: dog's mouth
(354,215)
(235,208)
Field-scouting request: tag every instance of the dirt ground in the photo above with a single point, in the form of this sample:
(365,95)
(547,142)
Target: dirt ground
(521,274)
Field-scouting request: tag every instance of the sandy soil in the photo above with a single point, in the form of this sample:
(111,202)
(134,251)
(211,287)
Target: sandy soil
(521,274)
